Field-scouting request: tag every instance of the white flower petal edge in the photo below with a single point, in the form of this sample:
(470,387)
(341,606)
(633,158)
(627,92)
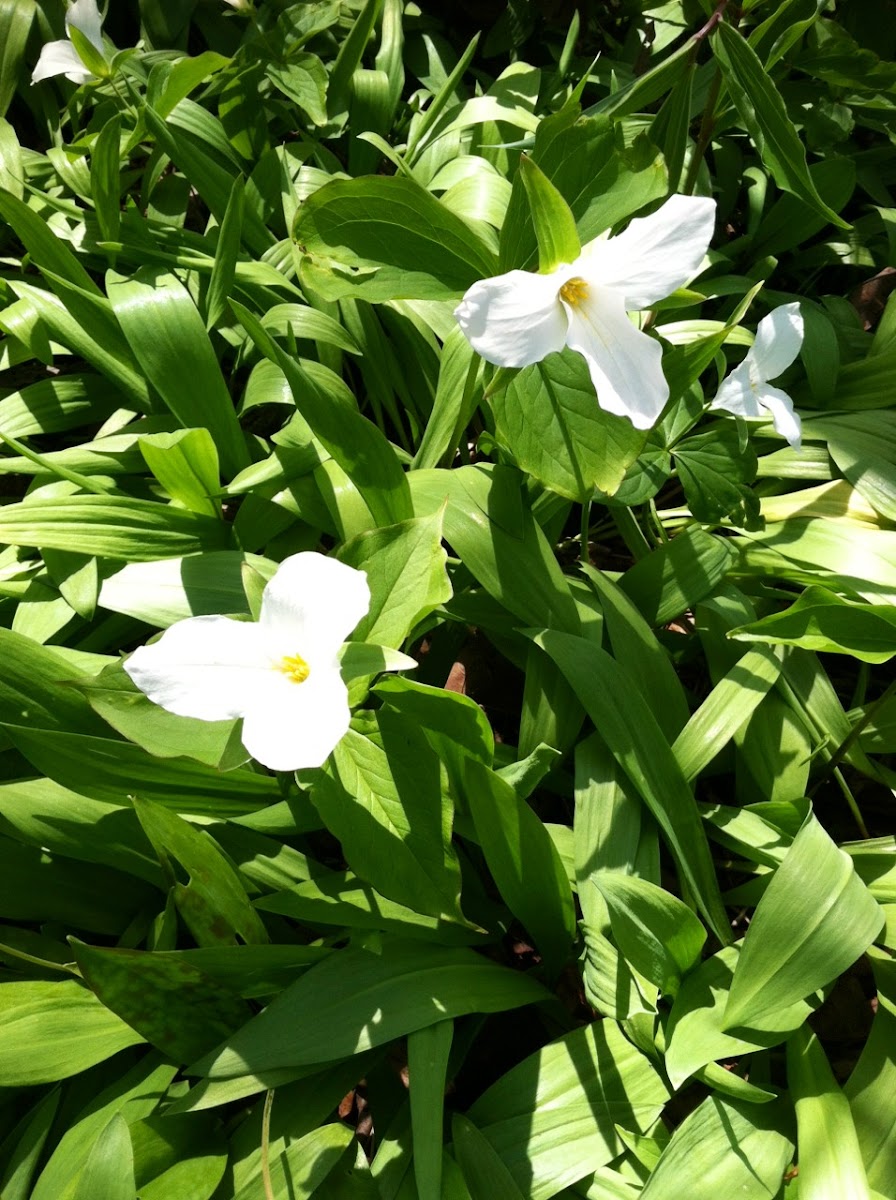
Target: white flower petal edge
(280,674)
(85,16)
(517,319)
(655,255)
(746,392)
(60,58)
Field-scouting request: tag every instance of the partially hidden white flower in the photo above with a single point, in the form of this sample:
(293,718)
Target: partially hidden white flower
(517,319)
(746,391)
(280,674)
(61,58)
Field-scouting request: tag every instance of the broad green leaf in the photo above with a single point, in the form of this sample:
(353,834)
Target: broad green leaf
(186,465)
(33,691)
(695,1035)
(549,418)
(405,568)
(171,1003)
(814,920)
(555,226)
(820,620)
(725,710)
(724,1149)
(358,999)
(677,575)
(304,81)
(49,252)
(113,770)
(428,1051)
(54,405)
(65,1028)
(830,1160)
(109,1170)
(385,238)
(638,744)
(863,445)
(484,1173)
(304,1165)
(762,111)
(658,934)
(553,1118)
(16,17)
(870,1086)
(715,473)
(111,527)
(214,903)
(134,1094)
(387,808)
(105,178)
(177,1155)
(524,863)
(168,339)
(22,1149)
(355,443)
(160,593)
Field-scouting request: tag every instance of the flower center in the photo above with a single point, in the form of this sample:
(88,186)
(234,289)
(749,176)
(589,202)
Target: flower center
(574,291)
(294,667)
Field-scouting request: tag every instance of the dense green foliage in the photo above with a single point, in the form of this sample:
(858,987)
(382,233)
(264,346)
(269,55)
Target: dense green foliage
(600,900)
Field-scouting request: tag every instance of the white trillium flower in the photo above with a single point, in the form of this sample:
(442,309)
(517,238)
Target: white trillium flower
(746,391)
(61,58)
(280,674)
(517,319)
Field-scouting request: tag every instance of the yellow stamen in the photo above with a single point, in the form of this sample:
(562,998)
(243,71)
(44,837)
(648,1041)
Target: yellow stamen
(574,291)
(294,668)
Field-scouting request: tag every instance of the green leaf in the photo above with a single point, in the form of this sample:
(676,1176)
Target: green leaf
(553,1119)
(21,1151)
(762,111)
(638,744)
(32,690)
(302,1168)
(171,1003)
(820,620)
(357,999)
(355,443)
(16,17)
(658,935)
(387,808)
(186,465)
(214,903)
(227,251)
(304,81)
(160,593)
(405,568)
(677,575)
(830,1160)
(555,226)
(168,339)
(388,238)
(484,1173)
(863,445)
(174,1155)
(428,1051)
(871,1083)
(109,1170)
(549,418)
(65,1028)
(105,178)
(715,472)
(724,1149)
(814,920)
(110,527)
(524,862)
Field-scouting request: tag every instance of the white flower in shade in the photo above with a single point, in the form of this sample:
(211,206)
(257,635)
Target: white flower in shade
(517,319)
(61,58)
(280,674)
(746,391)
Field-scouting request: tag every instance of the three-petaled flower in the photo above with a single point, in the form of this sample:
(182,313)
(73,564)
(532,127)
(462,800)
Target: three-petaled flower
(281,674)
(517,319)
(62,58)
(746,391)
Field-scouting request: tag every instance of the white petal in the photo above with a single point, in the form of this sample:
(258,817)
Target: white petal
(312,604)
(60,58)
(212,668)
(779,404)
(516,319)
(299,724)
(85,16)
(737,394)
(625,364)
(778,340)
(656,254)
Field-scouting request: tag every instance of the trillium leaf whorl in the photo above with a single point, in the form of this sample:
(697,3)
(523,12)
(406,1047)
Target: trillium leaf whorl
(281,674)
(516,319)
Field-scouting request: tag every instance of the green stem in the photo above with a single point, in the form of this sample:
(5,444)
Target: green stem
(631,532)
(266,1146)
(851,738)
(585,534)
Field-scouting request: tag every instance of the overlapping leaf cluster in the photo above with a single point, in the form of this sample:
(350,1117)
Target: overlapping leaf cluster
(614,931)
